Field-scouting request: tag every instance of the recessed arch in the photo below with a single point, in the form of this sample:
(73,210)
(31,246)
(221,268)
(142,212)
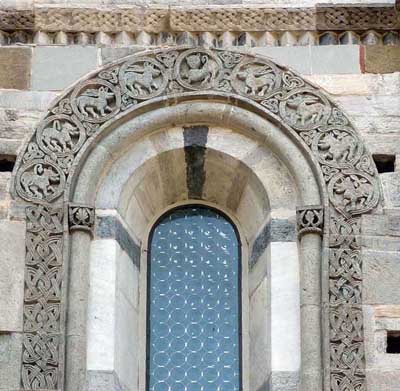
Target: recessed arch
(48,171)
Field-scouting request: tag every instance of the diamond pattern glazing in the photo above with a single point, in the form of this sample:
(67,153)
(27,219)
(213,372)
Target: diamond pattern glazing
(194,303)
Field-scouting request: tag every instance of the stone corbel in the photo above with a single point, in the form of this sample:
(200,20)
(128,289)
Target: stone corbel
(80,217)
(310,219)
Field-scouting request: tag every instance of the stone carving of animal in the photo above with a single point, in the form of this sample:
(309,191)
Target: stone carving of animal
(201,69)
(39,182)
(139,78)
(258,80)
(307,109)
(95,102)
(338,149)
(58,137)
(355,191)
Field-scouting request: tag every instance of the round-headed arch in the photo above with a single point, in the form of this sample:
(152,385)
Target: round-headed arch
(97,104)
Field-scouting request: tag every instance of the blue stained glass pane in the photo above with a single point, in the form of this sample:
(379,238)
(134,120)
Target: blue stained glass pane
(194,303)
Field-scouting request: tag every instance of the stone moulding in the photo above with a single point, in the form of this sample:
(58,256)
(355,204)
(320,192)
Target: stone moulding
(46,168)
(211,19)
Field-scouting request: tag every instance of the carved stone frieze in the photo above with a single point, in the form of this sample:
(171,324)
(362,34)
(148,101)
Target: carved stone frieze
(224,18)
(45,167)
(310,219)
(80,217)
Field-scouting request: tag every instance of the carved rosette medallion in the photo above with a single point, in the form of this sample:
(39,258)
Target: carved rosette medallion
(43,171)
(353,192)
(96,101)
(256,78)
(305,109)
(143,78)
(198,69)
(40,180)
(60,135)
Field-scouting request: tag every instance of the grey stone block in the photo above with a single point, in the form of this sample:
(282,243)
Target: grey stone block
(381,277)
(284,381)
(112,54)
(25,100)
(110,227)
(391,188)
(378,380)
(10,361)
(12,257)
(55,68)
(387,224)
(103,381)
(335,59)
(296,57)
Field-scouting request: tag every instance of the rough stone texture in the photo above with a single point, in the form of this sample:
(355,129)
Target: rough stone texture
(372,102)
(15,68)
(335,59)
(55,68)
(12,257)
(391,188)
(103,381)
(10,359)
(381,277)
(381,59)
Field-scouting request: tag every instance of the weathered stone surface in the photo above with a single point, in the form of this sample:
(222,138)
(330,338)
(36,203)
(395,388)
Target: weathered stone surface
(67,65)
(380,380)
(26,100)
(103,381)
(297,57)
(335,59)
(16,125)
(109,54)
(10,361)
(284,381)
(381,277)
(359,84)
(15,68)
(387,224)
(12,256)
(391,188)
(381,59)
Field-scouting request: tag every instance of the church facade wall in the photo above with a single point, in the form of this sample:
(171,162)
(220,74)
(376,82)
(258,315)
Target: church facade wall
(363,78)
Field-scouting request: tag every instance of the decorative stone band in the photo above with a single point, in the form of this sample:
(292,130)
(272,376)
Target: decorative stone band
(223,18)
(80,217)
(310,219)
(223,39)
(74,122)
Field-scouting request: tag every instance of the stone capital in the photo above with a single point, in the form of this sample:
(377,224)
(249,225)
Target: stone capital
(310,219)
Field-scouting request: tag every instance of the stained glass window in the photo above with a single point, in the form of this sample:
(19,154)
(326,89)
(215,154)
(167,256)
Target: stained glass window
(194,303)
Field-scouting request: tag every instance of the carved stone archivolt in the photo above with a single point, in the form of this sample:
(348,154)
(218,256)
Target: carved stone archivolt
(47,164)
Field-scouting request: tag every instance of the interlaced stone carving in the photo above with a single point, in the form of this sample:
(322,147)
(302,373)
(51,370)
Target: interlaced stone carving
(310,219)
(44,170)
(80,217)
(41,354)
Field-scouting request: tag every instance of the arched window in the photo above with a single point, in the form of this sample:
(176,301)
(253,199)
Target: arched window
(194,303)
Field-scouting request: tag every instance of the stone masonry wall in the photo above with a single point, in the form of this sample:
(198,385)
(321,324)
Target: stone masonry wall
(365,80)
